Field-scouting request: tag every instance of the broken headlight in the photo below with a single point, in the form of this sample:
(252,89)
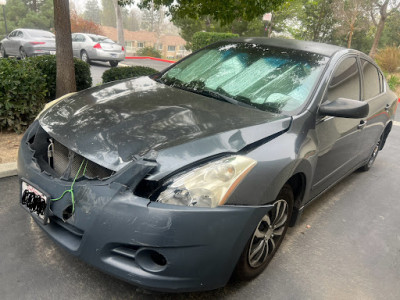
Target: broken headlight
(209,185)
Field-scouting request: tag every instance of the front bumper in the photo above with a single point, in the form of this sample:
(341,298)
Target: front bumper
(152,245)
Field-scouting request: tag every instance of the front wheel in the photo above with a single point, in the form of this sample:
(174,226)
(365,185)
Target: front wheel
(113,63)
(3,52)
(267,237)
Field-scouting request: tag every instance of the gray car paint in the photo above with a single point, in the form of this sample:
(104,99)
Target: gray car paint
(202,246)
(12,45)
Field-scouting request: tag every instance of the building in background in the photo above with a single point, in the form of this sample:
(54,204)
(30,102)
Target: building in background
(170,46)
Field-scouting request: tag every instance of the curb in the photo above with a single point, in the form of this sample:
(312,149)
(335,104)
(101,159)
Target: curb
(8,169)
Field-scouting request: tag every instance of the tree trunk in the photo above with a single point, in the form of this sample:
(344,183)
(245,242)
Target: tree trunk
(350,36)
(378,35)
(65,78)
(120,27)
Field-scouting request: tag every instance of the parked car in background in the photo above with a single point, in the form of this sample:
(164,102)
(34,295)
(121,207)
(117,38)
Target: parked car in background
(23,43)
(90,47)
(176,181)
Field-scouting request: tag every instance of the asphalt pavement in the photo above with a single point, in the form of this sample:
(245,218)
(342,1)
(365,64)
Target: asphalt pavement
(97,68)
(346,246)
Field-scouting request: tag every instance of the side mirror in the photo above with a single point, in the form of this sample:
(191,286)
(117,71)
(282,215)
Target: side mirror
(345,108)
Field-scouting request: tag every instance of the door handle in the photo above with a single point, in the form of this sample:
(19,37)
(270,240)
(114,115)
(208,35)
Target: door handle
(387,107)
(362,124)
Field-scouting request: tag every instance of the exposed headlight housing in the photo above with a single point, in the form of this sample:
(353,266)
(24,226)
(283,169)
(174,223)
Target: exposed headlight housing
(209,185)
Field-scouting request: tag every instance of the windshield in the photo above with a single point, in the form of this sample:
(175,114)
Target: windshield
(99,38)
(271,79)
(40,34)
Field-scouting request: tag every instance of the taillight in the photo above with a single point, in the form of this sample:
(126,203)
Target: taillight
(37,43)
(97,46)
(123,49)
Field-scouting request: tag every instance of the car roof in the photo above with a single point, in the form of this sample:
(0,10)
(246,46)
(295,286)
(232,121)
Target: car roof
(313,47)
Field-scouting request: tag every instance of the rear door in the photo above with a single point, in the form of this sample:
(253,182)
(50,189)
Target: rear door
(338,138)
(379,106)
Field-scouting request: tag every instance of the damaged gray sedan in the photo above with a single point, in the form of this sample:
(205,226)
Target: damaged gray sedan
(181,180)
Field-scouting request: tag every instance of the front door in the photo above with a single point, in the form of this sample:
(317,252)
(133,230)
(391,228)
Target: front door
(338,138)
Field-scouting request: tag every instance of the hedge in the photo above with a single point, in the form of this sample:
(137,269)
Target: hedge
(149,51)
(22,93)
(126,72)
(47,66)
(202,39)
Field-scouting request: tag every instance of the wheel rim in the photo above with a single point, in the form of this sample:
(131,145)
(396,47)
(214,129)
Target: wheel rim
(373,155)
(23,54)
(268,234)
(2,52)
(84,57)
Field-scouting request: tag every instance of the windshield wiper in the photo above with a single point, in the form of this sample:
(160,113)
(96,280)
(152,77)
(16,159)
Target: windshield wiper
(223,97)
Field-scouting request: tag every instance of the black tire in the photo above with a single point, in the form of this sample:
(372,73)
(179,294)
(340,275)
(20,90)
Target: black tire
(85,57)
(22,53)
(113,63)
(372,157)
(247,267)
(3,52)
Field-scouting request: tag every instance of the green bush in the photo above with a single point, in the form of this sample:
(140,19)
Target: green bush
(22,93)
(126,72)
(47,66)
(149,51)
(393,81)
(388,58)
(202,39)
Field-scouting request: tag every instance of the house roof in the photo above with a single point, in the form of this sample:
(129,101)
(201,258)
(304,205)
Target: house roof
(143,36)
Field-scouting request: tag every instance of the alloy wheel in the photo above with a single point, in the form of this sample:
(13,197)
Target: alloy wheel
(268,234)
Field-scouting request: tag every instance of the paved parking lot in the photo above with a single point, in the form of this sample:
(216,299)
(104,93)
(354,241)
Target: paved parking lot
(97,68)
(351,249)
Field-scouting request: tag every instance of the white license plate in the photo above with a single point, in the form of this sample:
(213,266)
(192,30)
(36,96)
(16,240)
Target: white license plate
(53,52)
(113,55)
(35,201)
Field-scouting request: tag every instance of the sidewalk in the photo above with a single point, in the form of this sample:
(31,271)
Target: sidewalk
(8,169)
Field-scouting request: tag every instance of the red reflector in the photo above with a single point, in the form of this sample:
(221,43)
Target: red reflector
(97,46)
(123,49)
(399,99)
(37,43)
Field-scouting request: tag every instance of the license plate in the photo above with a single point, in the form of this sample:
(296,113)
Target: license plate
(113,55)
(35,201)
(53,52)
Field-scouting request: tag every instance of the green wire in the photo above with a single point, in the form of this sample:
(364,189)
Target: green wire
(71,190)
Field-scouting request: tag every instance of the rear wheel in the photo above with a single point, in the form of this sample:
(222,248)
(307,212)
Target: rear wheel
(372,158)
(113,63)
(267,237)
(85,57)
(3,52)
(22,53)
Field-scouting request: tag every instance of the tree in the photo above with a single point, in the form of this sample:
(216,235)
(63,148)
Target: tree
(22,13)
(79,24)
(108,13)
(224,11)
(120,26)
(348,13)
(384,11)
(92,11)
(65,79)
(317,20)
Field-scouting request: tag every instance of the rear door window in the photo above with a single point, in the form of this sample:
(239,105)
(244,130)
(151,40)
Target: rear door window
(372,80)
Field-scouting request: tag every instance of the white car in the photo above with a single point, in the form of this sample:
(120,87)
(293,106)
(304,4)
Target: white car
(90,47)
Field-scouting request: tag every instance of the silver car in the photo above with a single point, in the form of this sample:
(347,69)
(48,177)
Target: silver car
(90,47)
(28,42)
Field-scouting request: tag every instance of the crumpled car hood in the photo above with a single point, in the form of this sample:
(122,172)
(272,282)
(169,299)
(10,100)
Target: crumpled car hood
(113,124)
